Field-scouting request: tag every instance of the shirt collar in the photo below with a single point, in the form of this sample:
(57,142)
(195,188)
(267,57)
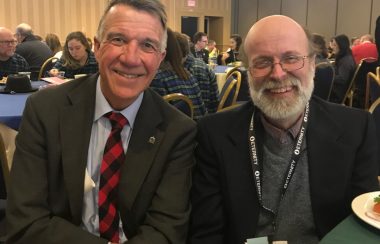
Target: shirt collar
(278,133)
(102,106)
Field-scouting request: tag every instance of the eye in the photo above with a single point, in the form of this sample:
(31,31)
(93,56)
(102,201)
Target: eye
(291,59)
(117,41)
(149,47)
(262,64)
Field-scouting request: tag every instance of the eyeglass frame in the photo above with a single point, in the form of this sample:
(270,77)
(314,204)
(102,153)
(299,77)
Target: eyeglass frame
(13,42)
(300,57)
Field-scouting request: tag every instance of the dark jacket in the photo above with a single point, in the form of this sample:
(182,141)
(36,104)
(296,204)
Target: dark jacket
(342,161)
(34,51)
(47,181)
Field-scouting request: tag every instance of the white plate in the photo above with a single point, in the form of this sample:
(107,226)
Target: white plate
(364,203)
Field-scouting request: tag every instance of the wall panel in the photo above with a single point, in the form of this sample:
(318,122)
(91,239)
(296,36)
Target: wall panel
(321,17)
(268,7)
(354,17)
(56,16)
(375,14)
(64,16)
(296,9)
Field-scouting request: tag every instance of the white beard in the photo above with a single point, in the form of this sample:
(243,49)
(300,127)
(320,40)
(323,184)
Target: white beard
(280,109)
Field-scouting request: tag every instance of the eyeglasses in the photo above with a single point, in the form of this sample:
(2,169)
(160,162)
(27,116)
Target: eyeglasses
(13,42)
(264,66)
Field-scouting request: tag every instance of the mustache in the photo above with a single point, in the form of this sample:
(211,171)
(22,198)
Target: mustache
(275,84)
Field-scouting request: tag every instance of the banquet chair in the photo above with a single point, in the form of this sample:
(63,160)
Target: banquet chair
(230,90)
(323,80)
(372,91)
(46,66)
(7,148)
(355,93)
(230,70)
(181,102)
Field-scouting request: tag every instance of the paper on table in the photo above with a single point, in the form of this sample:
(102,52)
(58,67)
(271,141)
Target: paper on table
(54,80)
(263,240)
(258,240)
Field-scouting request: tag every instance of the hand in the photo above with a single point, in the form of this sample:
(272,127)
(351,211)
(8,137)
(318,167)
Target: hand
(53,72)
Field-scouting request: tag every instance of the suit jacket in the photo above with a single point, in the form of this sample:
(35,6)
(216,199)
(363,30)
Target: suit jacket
(47,180)
(342,157)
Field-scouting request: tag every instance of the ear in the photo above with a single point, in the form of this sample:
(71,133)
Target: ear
(96,48)
(163,54)
(96,44)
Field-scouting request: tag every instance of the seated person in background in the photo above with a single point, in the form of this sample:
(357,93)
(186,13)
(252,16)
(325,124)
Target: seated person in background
(355,41)
(344,67)
(366,49)
(10,62)
(52,40)
(69,183)
(205,76)
(172,77)
(77,57)
(33,50)
(232,53)
(213,51)
(285,165)
(321,54)
(330,50)
(200,40)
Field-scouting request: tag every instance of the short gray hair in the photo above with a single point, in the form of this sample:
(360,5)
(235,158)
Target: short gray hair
(153,7)
(24,29)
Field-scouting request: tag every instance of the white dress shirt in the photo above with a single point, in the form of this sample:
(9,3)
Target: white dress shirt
(100,131)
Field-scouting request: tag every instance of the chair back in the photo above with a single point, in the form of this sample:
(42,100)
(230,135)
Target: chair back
(181,102)
(7,148)
(46,66)
(230,90)
(323,80)
(372,91)
(356,88)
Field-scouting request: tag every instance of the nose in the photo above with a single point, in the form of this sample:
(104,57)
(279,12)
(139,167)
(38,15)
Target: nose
(277,71)
(130,54)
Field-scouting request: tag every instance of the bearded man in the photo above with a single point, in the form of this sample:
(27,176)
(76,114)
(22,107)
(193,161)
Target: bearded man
(285,165)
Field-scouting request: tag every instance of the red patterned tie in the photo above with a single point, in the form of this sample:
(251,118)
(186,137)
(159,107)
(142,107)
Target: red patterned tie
(113,157)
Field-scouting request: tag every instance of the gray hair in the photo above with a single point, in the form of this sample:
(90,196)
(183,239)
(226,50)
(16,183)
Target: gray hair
(24,29)
(153,7)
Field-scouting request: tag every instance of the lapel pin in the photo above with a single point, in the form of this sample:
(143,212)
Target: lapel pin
(152,140)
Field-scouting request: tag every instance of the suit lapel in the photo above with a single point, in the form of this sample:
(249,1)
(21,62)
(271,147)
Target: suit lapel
(75,129)
(323,146)
(239,175)
(144,143)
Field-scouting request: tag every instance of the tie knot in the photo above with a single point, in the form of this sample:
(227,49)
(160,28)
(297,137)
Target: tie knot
(118,121)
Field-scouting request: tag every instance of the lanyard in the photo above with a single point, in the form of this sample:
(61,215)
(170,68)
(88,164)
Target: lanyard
(256,169)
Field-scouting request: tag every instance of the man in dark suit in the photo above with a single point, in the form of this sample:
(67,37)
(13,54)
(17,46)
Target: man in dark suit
(33,50)
(58,165)
(284,165)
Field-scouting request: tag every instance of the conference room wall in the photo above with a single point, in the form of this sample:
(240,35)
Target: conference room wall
(53,16)
(64,16)
(327,17)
